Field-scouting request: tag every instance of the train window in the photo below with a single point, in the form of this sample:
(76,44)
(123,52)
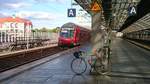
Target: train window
(67,33)
(63,34)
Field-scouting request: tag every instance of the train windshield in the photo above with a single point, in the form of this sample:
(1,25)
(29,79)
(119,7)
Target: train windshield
(67,32)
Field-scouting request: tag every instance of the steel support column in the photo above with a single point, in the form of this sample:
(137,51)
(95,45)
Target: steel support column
(96,34)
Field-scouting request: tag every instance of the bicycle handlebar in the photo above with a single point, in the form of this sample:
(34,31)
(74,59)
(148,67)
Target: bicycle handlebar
(78,53)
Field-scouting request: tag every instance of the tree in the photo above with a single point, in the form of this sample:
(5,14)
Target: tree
(43,29)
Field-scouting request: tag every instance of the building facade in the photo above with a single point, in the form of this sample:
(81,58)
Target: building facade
(12,28)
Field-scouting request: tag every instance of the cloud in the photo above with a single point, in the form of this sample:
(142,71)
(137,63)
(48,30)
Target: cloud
(17,5)
(38,15)
(49,1)
(39,18)
(9,1)
(13,4)
(35,15)
(2,14)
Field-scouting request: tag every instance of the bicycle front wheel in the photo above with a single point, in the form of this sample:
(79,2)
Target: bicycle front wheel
(78,66)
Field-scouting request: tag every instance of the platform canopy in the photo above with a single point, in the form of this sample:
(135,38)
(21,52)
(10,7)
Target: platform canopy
(140,21)
(141,24)
(116,12)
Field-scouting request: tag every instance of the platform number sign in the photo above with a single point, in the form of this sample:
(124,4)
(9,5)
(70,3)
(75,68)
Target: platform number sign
(132,11)
(71,13)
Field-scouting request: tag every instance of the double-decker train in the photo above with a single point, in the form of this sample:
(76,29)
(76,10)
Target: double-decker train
(72,35)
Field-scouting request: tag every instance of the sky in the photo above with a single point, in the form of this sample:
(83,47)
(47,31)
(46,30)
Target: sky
(44,13)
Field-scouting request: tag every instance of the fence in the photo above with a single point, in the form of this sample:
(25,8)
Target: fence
(6,37)
(30,39)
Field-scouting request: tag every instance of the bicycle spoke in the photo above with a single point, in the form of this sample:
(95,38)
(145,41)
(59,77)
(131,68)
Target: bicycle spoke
(78,66)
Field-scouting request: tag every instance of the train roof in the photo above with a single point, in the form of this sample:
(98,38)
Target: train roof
(70,25)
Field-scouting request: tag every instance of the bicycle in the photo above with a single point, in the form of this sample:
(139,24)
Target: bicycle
(100,64)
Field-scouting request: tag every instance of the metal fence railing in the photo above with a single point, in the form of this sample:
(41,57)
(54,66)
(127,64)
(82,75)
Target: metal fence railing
(12,42)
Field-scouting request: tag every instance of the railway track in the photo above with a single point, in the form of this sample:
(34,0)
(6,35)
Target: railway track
(15,59)
(11,47)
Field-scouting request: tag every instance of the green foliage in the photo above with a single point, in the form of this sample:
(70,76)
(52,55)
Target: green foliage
(43,29)
(54,30)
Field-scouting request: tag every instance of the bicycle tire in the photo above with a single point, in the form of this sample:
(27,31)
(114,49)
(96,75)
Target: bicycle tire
(78,66)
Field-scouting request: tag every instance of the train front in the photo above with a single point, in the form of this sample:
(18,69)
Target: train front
(66,36)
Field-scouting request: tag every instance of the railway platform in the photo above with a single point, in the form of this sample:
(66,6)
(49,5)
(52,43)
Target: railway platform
(130,65)
(29,55)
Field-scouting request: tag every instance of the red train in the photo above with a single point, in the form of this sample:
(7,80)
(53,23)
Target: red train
(72,35)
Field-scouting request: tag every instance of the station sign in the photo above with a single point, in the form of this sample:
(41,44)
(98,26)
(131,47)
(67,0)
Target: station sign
(71,12)
(132,11)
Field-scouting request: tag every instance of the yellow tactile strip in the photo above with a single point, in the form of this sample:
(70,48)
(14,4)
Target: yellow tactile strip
(139,44)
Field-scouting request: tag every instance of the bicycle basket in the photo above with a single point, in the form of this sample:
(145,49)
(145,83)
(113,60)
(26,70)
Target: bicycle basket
(76,54)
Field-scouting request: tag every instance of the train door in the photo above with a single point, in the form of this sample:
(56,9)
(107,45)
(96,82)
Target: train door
(77,36)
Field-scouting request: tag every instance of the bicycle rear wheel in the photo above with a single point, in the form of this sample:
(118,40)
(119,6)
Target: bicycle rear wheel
(78,66)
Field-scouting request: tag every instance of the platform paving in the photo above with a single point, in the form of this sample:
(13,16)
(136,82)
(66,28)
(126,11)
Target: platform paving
(130,65)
